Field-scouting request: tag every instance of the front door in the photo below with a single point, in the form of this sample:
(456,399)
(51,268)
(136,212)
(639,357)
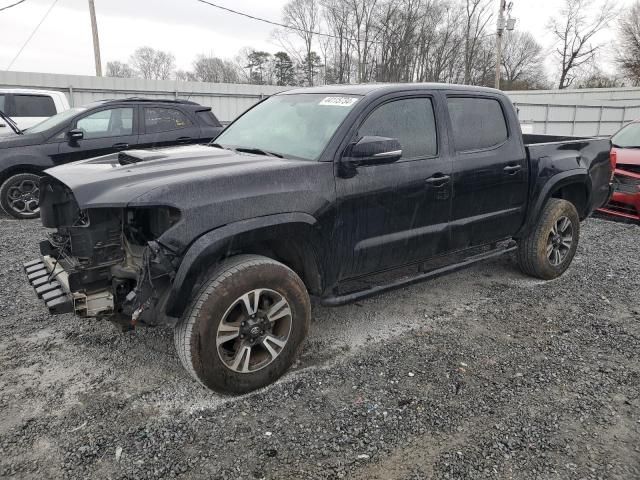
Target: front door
(394,214)
(104,131)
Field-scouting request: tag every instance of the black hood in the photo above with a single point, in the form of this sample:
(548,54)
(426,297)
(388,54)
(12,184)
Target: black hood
(116,180)
(26,140)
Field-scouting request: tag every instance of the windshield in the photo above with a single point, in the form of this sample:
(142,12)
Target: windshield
(628,137)
(296,126)
(54,121)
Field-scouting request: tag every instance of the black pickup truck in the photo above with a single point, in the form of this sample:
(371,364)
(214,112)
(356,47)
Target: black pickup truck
(331,193)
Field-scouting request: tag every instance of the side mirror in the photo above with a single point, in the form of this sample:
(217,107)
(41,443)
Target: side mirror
(374,150)
(75,135)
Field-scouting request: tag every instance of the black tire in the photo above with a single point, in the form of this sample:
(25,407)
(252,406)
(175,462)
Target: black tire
(534,256)
(19,196)
(219,299)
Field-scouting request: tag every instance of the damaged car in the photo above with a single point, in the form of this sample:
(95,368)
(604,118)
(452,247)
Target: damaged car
(327,193)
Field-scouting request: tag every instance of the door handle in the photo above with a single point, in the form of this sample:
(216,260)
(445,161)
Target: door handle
(438,180)
(512,169)
(120,146)
(3,125)
(184,139)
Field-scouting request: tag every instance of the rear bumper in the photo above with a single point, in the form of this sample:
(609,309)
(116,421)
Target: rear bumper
(50,287)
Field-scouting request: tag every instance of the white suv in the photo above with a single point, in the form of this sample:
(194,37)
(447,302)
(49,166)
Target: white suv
(28,107)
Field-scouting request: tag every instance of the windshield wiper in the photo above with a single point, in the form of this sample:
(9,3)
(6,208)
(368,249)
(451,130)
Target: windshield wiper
(216,145)
(12,124)
(258,151)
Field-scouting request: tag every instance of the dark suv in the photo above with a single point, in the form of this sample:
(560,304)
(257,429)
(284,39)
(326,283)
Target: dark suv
(96,129)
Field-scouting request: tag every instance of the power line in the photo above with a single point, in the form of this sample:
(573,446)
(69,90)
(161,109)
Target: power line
(277,24)
(32,34)
(12,5)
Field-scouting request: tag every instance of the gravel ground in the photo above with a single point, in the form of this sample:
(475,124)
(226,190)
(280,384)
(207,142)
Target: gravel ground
(482,374)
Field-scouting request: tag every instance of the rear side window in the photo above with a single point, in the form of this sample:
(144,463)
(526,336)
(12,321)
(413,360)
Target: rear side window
(2,104)
(477,123)
(158,120)
(33,106)
(208,118)
(409,120)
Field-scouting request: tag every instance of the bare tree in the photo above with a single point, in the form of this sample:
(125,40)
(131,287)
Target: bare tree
(214,69)
(119,69)
(302,16)
(629,39)
(362,34)
(153,64)
(522,62)
(477,16)
(574,31)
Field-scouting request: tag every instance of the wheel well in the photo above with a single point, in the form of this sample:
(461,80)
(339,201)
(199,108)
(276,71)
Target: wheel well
(574,193)
(287,244)
(294,252)
(17,169)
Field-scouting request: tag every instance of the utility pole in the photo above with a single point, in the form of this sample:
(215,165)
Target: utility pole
(96,41)
(500,30)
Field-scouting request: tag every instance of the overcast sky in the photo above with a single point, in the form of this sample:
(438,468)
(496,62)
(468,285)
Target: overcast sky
(185,28)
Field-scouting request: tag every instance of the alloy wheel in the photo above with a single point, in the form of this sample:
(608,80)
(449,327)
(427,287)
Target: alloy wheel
(254,330)
(23,197)
(559,241)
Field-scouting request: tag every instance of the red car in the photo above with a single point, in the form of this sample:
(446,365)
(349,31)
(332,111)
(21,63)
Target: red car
(625,201)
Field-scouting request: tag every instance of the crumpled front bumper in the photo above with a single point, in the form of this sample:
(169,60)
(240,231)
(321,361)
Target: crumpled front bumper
(50,287)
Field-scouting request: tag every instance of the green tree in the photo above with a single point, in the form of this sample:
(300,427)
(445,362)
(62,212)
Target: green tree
(283,68)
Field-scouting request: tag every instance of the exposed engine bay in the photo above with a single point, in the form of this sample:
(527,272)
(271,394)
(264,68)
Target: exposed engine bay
(103,262)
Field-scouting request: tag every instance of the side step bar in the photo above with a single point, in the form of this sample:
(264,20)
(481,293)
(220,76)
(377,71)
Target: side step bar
(335,301)
(55,297)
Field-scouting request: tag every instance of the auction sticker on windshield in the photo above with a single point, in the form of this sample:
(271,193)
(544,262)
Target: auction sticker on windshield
(339,101)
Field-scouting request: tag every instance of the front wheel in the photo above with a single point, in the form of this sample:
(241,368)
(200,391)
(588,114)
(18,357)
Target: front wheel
(19,195)
(547,251)
(245,326)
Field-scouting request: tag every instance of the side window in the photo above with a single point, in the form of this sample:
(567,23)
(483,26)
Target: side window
(114,122)
(33,106)
(2,104)
(158,120)
(409,120)
(477,123)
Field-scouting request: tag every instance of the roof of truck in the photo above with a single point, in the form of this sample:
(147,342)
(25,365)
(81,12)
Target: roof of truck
(366,88)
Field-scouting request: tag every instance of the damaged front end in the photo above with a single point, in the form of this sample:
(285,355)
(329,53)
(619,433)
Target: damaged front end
(103,262)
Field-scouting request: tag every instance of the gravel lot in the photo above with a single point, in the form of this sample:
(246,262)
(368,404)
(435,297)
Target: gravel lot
(482,374)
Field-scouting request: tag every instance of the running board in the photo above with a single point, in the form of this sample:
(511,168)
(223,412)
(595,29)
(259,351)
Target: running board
(335,301)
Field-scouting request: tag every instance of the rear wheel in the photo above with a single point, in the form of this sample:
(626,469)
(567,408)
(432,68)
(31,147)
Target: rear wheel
(550,247)
(245,326)
(19,195)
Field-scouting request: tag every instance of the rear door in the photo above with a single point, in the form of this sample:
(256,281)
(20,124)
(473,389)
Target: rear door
(107,130)
(164,126)
(490,171)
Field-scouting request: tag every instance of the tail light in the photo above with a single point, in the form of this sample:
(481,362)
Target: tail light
(613,158)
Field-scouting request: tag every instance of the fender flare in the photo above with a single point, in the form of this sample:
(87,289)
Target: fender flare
(575,176)
(216,241)
(24,163)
